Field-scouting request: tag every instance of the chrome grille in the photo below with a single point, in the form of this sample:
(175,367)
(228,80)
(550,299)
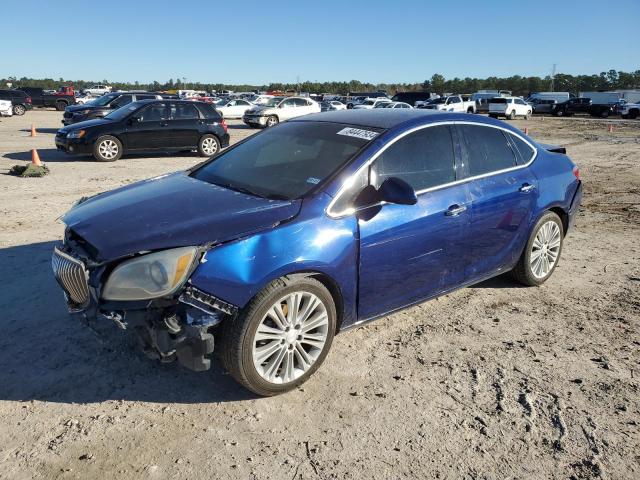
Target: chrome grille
(72,277)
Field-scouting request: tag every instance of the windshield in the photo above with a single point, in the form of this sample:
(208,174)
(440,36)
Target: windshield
(125,111)
(287,161)
(438,101)
(273,102)
(104,100)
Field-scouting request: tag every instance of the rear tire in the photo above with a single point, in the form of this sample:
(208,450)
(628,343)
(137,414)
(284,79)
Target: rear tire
(633,114)
(558,113)
(545,245)
(60,106)
(19,110)
(107,149)
(208,145)
(604,114)
(269,375)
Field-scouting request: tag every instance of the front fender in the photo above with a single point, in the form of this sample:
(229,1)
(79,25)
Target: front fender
(236,271)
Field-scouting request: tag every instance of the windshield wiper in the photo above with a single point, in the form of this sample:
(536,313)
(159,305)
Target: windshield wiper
(248,191)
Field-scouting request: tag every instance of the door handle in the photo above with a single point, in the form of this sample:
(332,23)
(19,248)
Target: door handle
(526,188)
(455,210)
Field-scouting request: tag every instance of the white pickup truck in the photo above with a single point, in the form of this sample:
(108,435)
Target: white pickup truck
(629,110)
(451,103)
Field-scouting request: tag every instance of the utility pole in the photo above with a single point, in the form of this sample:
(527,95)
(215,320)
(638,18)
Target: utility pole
(553,77)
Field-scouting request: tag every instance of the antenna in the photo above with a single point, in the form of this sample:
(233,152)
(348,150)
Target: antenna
(553,77)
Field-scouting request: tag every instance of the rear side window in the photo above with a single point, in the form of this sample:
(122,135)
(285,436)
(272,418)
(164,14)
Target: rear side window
(524,151)
(487,149)
(122,101)
(183,111)
(423,159)
(207,110)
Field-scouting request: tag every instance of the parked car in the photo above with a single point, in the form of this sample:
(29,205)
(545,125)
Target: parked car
(84,99)
(59,100)
(509,107)
(21,102)
(451,103)
(97,90)
(629,110)
(6,108)
(147,125)
(332,105)
(313,227)
(542,105)
(583,105)
(370,103)
(412,97)
(482,98)
(102,106)
(279,109)
(234,108)
(392,105)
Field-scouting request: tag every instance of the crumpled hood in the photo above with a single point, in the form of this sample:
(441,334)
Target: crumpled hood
(174,210)
(259,109)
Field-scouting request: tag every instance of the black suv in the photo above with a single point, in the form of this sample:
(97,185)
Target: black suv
(20,100)
(104,105)
(148,125)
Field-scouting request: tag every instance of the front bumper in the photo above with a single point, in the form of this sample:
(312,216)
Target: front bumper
(177,328)
(252,120)
(74,145)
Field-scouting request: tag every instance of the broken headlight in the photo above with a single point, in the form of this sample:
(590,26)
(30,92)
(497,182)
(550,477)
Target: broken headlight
(150,276)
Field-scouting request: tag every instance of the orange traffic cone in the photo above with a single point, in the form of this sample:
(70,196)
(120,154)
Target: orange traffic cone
(35,158)
(610,128)
(33,130)
(526,130)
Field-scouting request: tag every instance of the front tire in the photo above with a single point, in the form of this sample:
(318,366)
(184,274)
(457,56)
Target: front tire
(282,337)
(208,145)
(272,120)
(19,110)
(542,252)
(107,149)
(527,115)
(512,115)
(60,106)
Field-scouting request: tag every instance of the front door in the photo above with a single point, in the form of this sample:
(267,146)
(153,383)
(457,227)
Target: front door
(411,252)
(150,131)
(503,197)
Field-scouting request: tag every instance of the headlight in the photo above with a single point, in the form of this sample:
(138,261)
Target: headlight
(150,276)
(76,134)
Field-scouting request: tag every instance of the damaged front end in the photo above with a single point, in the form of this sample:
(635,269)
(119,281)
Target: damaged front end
(172,319)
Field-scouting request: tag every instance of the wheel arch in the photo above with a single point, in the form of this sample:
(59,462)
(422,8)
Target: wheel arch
(564,217)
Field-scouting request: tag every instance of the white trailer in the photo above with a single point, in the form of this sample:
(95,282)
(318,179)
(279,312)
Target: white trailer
(601,98)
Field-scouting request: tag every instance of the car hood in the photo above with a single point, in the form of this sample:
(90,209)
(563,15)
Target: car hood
(79,107)
(85,124)
(259,109)
(169,211)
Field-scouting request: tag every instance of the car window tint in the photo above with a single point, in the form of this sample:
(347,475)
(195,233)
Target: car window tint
(524,151)
(183,111)
(424,159)
(301,102)
(145,97)
(455,100)
(487,149)
(289,103)
(154,113)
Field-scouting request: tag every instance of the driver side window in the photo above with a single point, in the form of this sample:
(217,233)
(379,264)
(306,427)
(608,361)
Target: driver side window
(423,159)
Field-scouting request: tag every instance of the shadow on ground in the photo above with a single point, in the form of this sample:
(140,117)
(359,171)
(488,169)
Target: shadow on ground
(46,355)
(42,130)
(54,155)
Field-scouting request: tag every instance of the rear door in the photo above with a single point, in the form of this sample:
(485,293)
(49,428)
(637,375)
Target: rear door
(411,252)
(151,131)
(503,194)
(184,125)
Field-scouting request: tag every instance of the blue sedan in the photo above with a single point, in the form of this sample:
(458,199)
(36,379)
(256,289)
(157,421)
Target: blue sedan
(270,248)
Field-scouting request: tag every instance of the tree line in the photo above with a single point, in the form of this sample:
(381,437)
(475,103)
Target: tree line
(610,80)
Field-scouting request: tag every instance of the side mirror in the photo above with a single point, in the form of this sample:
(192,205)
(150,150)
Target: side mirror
(396,190)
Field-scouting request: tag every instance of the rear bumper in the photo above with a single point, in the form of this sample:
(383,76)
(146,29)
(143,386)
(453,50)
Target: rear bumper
(575,205)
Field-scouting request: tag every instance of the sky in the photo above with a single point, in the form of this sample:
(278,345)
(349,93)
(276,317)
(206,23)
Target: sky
(259,42)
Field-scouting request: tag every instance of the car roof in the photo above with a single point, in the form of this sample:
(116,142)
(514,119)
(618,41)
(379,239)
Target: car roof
(397,118)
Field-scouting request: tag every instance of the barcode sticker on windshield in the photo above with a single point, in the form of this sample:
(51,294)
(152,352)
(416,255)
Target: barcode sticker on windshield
(358,133)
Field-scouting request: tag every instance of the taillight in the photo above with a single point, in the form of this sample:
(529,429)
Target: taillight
(576,172)
(27,100)
(224,125)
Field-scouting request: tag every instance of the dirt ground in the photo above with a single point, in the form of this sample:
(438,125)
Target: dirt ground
(491,382)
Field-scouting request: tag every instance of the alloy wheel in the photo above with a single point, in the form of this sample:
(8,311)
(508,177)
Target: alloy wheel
(545,249)
(209,146)
(290,337)
(108,149)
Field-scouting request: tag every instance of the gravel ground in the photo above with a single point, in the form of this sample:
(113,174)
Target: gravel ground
(490,382)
